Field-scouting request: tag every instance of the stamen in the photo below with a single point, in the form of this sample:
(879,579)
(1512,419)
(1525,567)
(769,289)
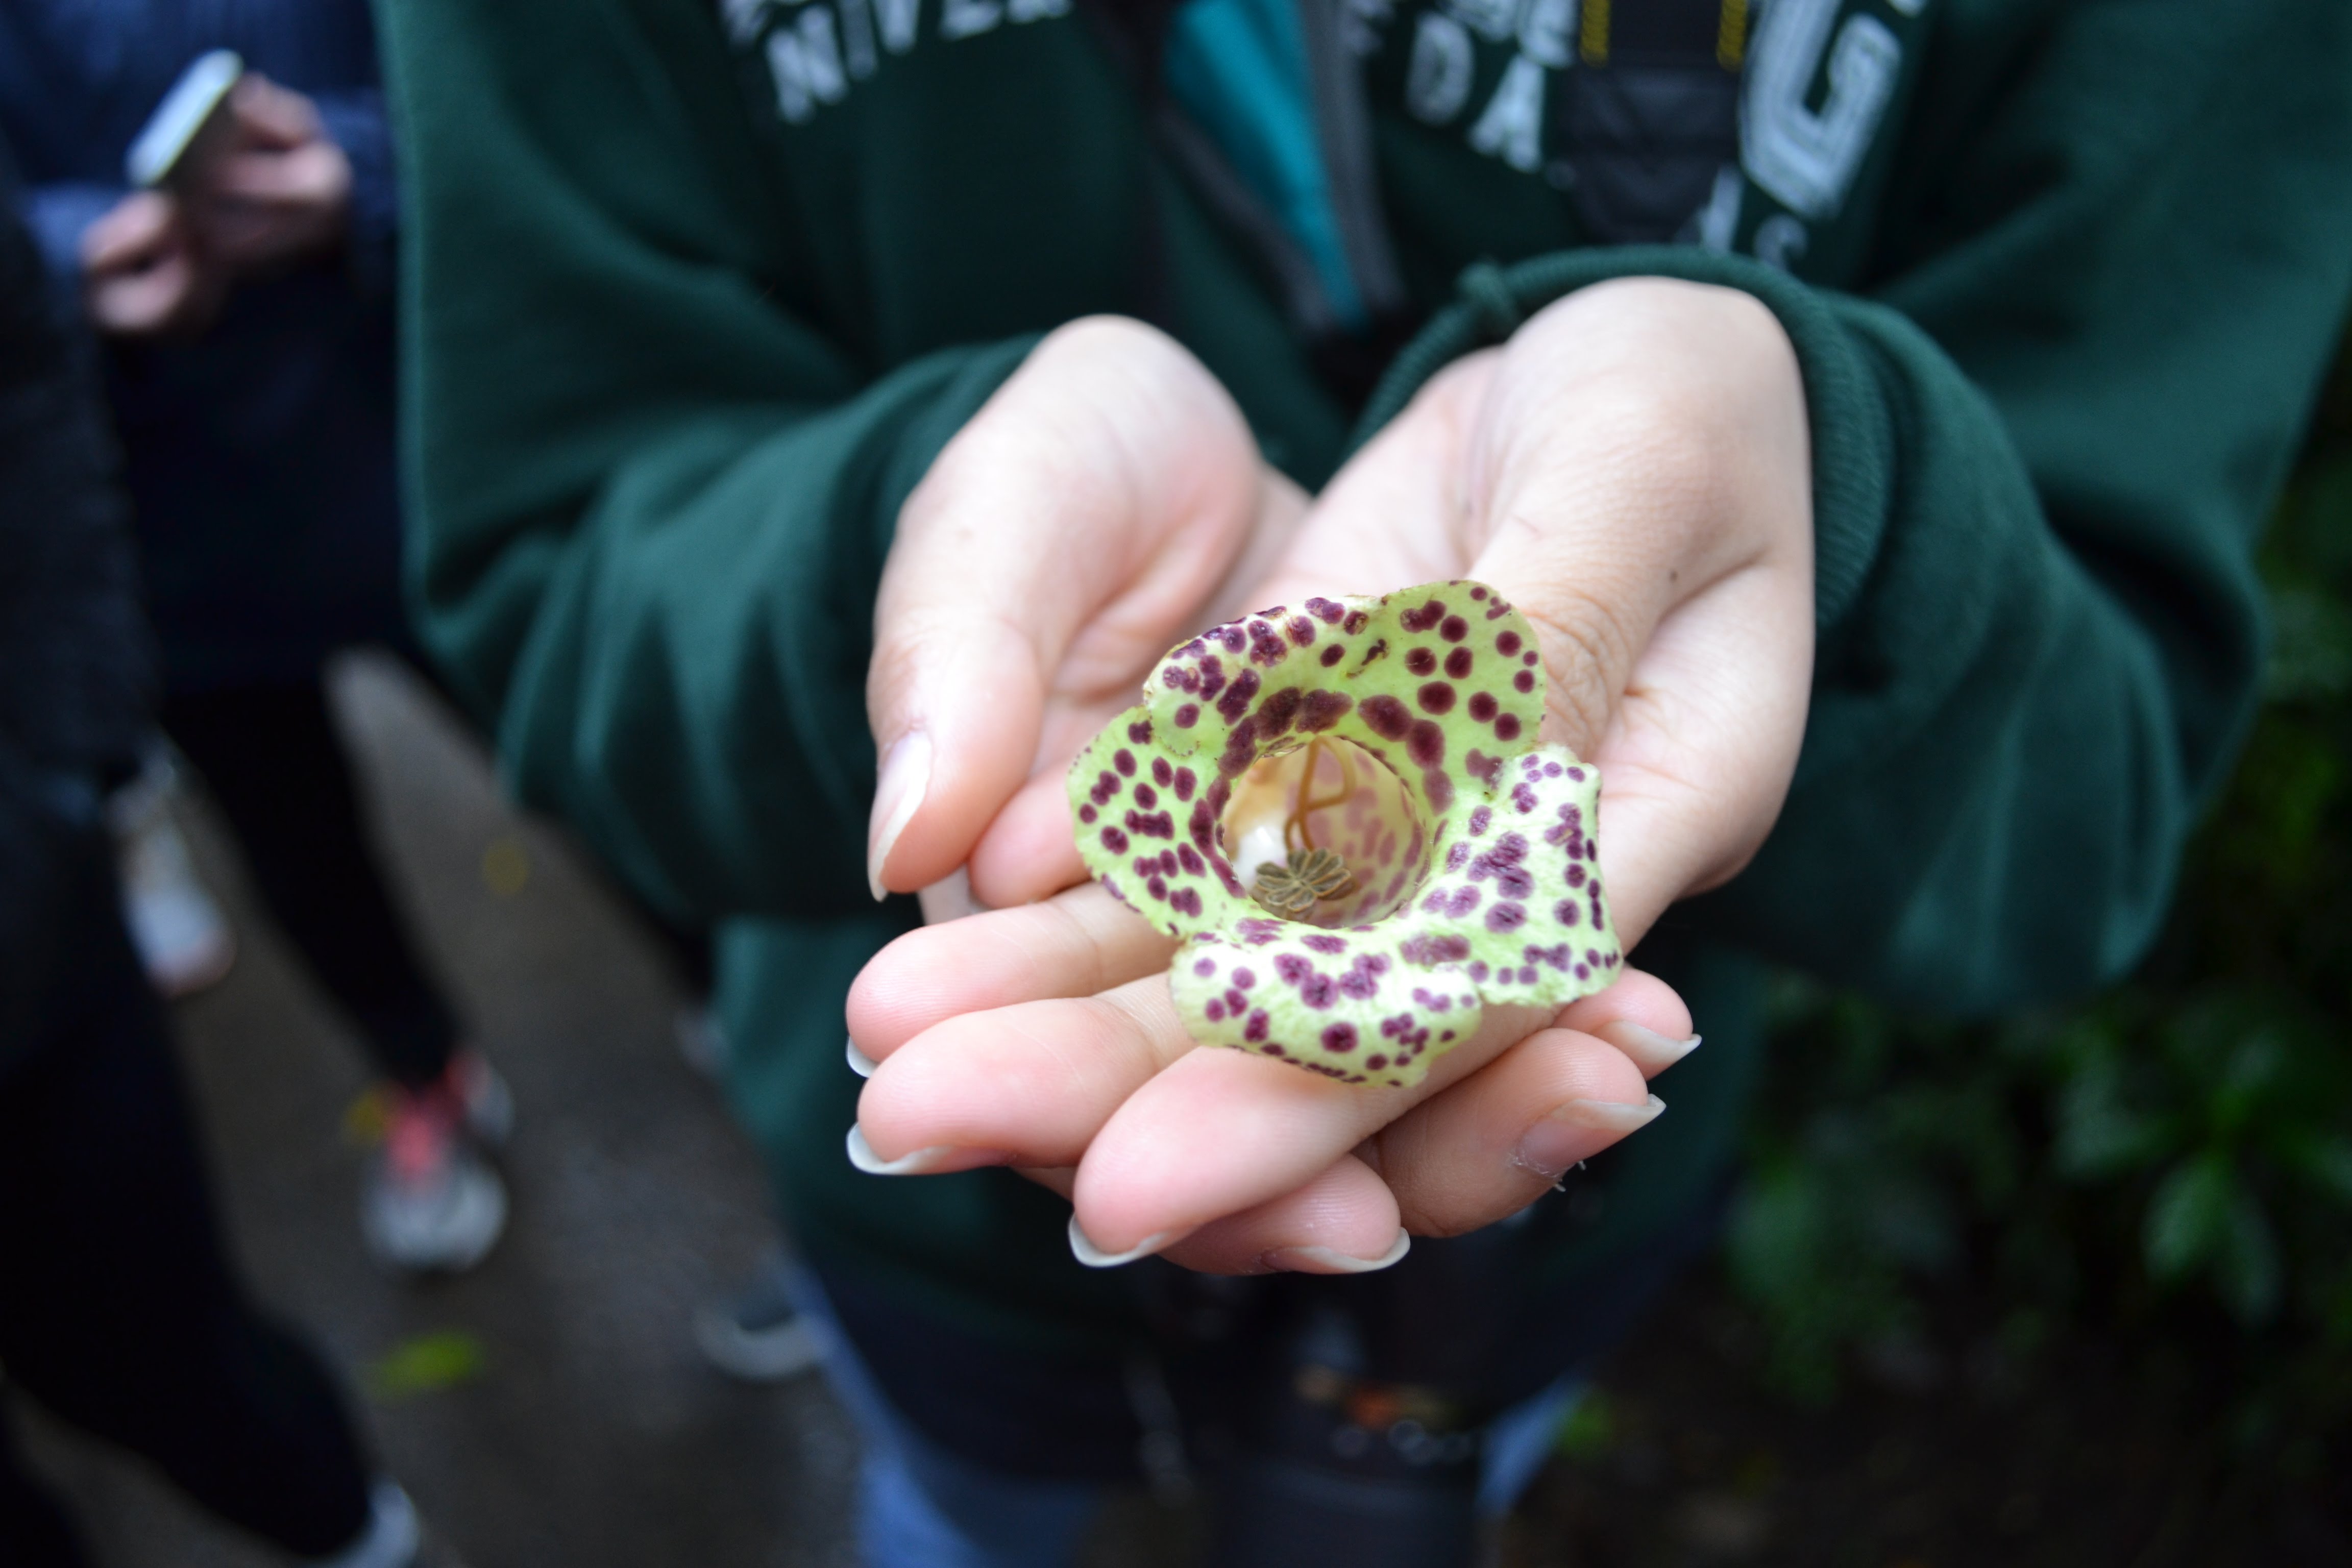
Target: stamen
(1312,876)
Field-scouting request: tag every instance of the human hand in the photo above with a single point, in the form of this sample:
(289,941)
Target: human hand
(1108,500)
(143,275)
(278,189)
(1632,472)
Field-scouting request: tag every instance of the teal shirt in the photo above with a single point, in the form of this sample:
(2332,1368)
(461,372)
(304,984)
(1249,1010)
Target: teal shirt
(694,296)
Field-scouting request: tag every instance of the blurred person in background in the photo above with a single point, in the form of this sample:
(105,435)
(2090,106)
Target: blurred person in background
(245,313)
(120,1311)
(1873,409)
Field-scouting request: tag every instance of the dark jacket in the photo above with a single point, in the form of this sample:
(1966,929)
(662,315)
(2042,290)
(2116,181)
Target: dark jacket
(73,655)
(259,457)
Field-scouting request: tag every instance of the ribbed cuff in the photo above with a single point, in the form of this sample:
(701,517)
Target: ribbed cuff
(1853,436)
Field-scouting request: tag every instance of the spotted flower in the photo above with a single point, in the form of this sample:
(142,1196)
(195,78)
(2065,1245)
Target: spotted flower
(1341,812)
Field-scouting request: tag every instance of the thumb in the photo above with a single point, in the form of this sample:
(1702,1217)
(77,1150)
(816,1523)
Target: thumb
(1040,566)
(1639,485)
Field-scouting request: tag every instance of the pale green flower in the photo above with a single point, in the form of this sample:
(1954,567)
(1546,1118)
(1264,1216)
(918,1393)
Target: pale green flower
(1395,737)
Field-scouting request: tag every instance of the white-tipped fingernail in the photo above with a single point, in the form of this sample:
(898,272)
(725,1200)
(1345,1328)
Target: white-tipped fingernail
(897,796)
(1094,1257)
(1328,1261)
(859,1062)
(1609,1115)
(862,1155)
(1564,1137)
(1650,1050)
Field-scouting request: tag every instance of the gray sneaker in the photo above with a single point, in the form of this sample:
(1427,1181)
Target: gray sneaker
(433,1203)
(183,939)
(758,1336)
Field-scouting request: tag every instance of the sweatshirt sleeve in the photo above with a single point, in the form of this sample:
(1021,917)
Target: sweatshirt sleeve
(649,505)
(2044,444)
(58,212)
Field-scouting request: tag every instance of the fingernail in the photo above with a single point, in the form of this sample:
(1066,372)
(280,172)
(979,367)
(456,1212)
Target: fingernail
(1094,1257)
(1564,1137)
(897,796)
(860,1063)
(1328,1261)
(862,1155)
(1651,1051)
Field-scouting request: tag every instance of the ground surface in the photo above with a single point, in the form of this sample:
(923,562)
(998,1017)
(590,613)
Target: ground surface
(552,1407)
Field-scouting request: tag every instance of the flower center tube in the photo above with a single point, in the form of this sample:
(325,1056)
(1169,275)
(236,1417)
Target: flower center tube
(1328,795)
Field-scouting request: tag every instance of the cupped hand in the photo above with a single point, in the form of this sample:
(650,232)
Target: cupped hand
(1106,501)
(1631,471)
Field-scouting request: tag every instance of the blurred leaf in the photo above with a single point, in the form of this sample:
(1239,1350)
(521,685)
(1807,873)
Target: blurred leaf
(2325,1162)
(425,1365)
(2253,1067)
(2317,524)
(1590,1428)
(367,1116)
(2248,1264)
(2187,1217)
(1905,1217)
(2099,1135)
(2311,646)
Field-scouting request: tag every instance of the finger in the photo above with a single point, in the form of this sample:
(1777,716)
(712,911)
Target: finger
(1051,553)
(1495,1143)
(1029,1084)
(1077,944)
(161,296)
(1640,487)
(137,232)
(1341,1221)
(1029,850)
(314,174)
(1217,1132)
(1622,464)
(1705,743)
(1640,1015)
(268,115)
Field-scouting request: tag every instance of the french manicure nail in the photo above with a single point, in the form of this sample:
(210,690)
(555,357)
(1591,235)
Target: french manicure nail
(1330,1261)
(859,1062)
(862,1155)
(897,796)
(1565,1136)
(1094,1257)
(1651,1051)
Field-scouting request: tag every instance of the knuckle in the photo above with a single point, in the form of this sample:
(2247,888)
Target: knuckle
(1435,1220)
(1584,644)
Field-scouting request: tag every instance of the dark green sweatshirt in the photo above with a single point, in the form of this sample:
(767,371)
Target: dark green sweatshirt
(696,292)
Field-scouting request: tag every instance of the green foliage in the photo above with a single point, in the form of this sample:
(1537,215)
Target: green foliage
(1590,1428)
(2170,1166)
(425,1363)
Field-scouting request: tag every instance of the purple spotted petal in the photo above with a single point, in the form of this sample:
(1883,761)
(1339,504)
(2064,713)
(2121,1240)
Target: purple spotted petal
(1345,1005)
(1477,880)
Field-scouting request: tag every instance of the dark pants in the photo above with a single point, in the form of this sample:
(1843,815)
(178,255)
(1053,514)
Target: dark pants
(273,761)
(119,1309)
